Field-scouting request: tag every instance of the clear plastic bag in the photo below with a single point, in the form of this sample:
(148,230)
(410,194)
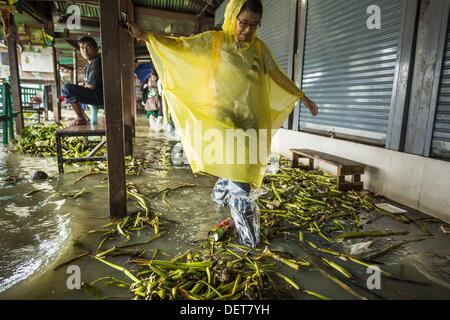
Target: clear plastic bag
(220,192)
(246,217)
(243,208)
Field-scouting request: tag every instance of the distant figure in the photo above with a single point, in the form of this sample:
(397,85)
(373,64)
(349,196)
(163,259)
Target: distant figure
(91,90)
(153,101)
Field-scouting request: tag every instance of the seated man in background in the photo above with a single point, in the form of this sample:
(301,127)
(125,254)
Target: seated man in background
(35,102)
(91,90)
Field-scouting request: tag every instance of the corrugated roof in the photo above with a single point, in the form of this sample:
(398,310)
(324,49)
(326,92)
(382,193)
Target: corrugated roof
(87,11)
(184,6)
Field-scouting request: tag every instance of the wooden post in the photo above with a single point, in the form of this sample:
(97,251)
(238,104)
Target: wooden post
(56,88)
(127,72)
(46,90)
(109,26)
(15,77)
(75,67)
(429,50)
(133,77)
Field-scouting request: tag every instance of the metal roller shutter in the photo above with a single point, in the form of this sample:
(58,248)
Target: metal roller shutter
(440,146)
(278,31)
(349,70)
(220,13)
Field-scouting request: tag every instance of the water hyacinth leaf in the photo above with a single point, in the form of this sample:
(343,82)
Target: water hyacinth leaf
(370,234)
(343,285)
(338,268)
(288,280)
(317,295)
(120,268)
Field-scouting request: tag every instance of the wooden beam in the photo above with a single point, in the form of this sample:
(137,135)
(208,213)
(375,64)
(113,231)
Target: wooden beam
(36,81)
(109,25)
(86,22)
(41,12)
(15,77)
(87,2)
(127,72)
(204,5)
(143,11)
(73,34)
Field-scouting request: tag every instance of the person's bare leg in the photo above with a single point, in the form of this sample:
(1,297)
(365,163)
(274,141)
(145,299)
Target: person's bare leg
(82,118)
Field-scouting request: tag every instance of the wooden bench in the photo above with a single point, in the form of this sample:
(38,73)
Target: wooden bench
(345,167)
(80,131)
(31,101)
(34,109)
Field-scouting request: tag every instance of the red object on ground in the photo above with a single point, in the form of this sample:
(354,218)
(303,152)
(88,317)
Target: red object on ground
(221,229)
(228,222)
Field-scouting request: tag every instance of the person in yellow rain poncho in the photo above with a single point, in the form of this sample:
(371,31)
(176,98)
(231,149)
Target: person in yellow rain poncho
(227,97)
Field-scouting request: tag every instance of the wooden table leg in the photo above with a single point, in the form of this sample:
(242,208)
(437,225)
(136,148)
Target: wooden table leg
(311,164)
(59,154)
(356,181)
(340,182)
(295,160)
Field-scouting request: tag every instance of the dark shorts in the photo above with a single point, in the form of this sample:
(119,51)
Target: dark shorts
(73,93)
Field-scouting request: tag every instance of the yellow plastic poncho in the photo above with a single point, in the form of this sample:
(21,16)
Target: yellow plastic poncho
(226,98)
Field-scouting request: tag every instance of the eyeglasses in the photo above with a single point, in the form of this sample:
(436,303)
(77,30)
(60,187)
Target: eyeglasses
(244,25)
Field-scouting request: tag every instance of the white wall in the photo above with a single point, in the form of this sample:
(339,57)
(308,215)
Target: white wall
(418,182)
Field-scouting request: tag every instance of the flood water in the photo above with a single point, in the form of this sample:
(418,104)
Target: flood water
(41,230)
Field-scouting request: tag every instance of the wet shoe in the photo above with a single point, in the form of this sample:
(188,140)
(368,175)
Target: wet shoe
(246,218)
(220,192)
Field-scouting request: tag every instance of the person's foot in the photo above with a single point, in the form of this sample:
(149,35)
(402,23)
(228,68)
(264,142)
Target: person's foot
(79,122)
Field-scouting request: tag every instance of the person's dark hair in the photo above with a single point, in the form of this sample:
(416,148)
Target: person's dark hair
(253,6)
(90,41)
